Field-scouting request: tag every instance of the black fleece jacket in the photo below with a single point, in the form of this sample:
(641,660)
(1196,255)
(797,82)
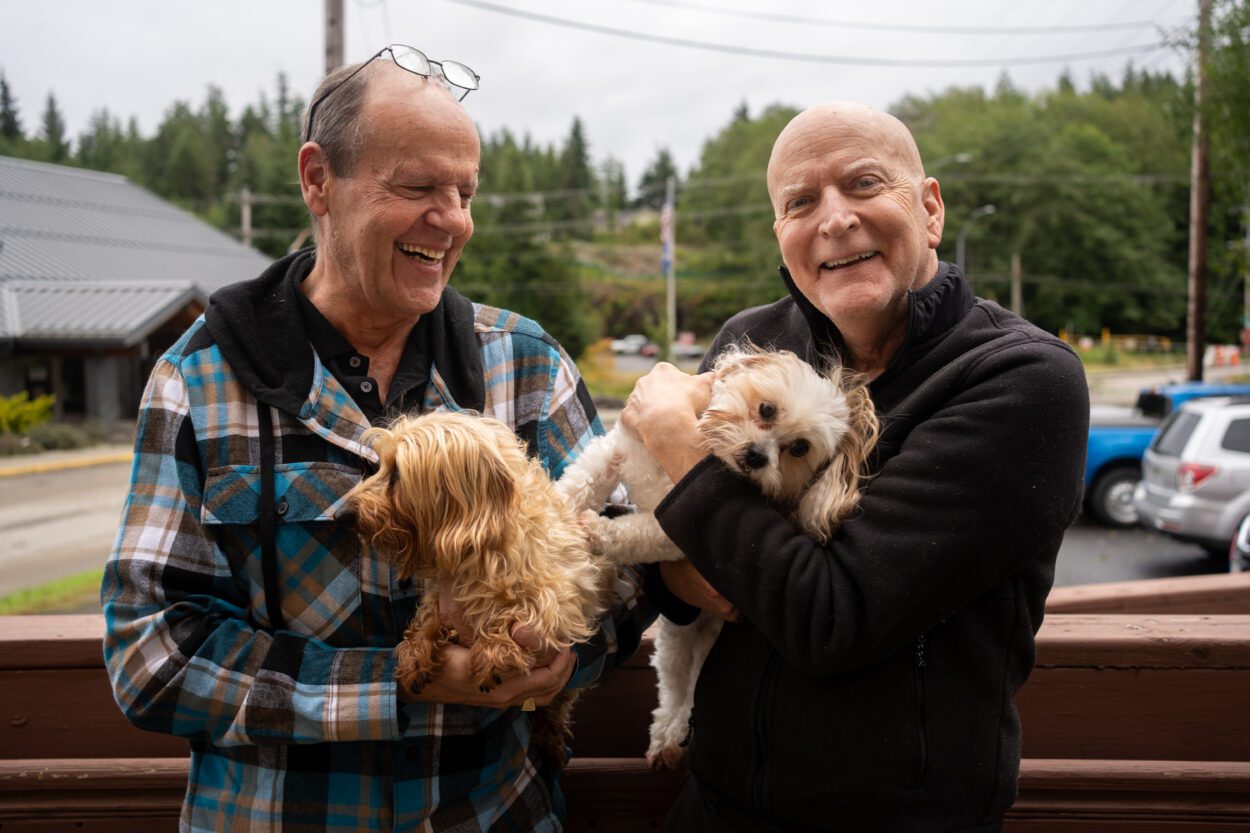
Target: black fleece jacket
(869,686)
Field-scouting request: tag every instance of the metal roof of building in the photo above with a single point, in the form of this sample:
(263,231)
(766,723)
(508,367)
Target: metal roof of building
(92,256)
(92,311)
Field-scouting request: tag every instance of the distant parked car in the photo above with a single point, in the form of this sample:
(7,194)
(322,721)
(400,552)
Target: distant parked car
(1119,437)
(632,344)
(1196,474)
(687,351)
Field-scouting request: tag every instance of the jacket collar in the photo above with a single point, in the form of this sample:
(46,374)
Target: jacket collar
(258,327)
(932,310)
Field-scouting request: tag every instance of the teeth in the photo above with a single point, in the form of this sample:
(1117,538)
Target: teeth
(428,254)
(834,264)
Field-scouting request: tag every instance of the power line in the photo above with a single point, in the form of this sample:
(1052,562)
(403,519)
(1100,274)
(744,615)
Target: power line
(903,27)
(807,57)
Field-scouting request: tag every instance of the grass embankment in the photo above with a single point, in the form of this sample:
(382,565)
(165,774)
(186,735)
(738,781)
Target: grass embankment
(63,595)
(602,378)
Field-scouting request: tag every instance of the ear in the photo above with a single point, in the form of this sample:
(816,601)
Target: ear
(314,175)
(865,428)
(474,503)
(373,510)
(935,210)
(740,356)
(830,499)
(836,493)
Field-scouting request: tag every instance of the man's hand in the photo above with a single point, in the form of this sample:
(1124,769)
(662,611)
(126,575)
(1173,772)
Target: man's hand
(663,410)
(454,683)
(687,584)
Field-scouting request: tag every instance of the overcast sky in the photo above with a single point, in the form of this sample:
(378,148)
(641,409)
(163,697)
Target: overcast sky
(136,57)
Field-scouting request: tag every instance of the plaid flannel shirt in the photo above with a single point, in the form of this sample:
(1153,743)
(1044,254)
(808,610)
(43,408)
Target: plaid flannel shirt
(301,729)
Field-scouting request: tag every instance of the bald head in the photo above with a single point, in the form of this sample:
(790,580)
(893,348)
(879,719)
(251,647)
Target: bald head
(852,122)
(395,97)
(857,222)
(338,126)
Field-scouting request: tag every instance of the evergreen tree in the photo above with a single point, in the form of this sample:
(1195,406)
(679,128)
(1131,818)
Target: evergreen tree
(653,183)
(53,133)
(576,178)
(10,123)
(101,147)
(615,198)
(218,133)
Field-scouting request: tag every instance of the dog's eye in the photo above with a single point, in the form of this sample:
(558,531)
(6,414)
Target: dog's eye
(798,448)
(767,410)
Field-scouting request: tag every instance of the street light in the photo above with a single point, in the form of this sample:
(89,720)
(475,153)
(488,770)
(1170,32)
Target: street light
(960,241)
(937,164)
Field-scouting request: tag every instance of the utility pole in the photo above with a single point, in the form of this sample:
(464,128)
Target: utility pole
(245,215)
(1245,318)
(1017,296)
(668,233)
(334,35)
(961,240)
(1199,190)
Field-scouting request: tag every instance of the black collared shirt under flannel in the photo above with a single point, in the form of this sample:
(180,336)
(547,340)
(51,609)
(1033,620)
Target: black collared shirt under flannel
(351,367)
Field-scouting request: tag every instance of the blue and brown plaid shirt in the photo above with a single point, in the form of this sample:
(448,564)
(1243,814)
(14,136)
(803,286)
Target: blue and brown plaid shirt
(301,730)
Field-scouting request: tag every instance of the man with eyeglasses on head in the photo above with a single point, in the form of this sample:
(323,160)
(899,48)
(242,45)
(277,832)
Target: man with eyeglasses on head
(241,612)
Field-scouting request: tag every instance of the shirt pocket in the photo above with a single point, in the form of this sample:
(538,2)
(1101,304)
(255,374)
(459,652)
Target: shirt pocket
(319,559)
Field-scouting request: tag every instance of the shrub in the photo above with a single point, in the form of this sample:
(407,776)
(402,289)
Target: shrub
(19,413)
(57,436)
(12,445)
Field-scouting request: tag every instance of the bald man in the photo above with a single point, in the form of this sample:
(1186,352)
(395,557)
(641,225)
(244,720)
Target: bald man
(242,610)
(867,683)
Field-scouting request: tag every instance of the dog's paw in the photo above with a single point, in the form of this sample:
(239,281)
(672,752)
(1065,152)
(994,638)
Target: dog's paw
(669,738)
(661,756)
(594,527)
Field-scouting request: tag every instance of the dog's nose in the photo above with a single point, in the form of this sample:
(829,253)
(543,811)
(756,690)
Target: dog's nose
(754,458)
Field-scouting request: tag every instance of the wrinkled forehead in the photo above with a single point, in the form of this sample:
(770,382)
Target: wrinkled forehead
(843,133)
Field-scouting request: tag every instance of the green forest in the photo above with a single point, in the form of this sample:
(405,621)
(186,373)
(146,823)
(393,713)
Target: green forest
(1089,181)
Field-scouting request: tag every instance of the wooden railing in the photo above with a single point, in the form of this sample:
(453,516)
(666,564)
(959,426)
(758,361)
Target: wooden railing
(1133,721)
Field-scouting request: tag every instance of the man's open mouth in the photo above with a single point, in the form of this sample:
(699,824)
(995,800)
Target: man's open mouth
(847,261)
(420,253)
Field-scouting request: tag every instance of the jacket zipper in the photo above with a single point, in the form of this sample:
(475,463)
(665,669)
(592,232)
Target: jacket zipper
(761,743)
(918,690)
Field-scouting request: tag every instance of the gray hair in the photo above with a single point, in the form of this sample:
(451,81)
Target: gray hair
(338,128)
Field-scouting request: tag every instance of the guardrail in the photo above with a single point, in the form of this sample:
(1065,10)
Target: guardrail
(1132,721)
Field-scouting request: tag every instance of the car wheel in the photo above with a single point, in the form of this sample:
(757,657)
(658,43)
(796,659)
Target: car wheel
(1112,498)
(1239,549)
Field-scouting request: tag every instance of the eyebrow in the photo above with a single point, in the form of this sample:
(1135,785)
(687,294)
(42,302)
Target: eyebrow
(790,190)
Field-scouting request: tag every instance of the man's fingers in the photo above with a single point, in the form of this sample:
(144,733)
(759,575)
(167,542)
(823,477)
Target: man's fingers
(524,636)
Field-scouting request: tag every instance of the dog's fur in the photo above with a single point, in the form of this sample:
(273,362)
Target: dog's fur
(765,408)
(458,504)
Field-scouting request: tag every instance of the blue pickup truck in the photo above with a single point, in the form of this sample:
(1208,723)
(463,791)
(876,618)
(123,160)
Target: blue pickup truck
(1119,437)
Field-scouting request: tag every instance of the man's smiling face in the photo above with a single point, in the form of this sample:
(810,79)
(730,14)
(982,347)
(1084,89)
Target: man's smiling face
(856,221)
(397,224)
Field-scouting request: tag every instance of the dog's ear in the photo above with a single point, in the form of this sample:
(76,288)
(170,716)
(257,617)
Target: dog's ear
(739,356)
(369,505)
(828,501)
(836,493)
(471,494)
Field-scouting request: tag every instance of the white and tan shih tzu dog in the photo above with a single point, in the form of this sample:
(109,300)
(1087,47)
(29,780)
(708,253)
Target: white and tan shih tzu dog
(457,504)
(803,437)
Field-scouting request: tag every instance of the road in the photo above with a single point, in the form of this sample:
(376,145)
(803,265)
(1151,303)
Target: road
(1092,554)
(56,524)
(59,523)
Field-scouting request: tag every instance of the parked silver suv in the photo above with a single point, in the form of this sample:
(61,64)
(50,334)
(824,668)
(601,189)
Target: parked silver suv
(1195,482)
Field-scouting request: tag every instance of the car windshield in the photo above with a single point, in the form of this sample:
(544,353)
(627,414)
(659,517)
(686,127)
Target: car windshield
(1175,433)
